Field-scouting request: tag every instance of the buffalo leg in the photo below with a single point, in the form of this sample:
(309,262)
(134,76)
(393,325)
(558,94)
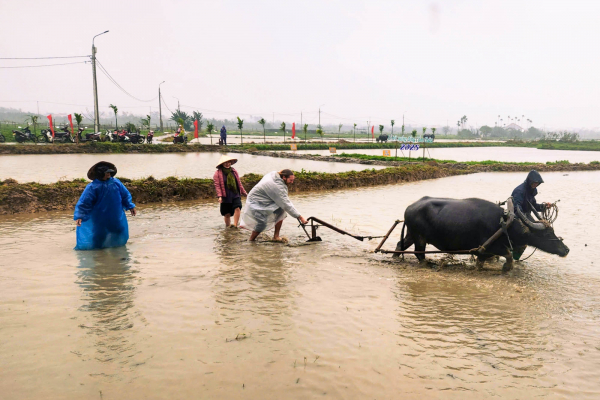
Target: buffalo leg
(481,259)
(408,241)
(420,244)
(508,265)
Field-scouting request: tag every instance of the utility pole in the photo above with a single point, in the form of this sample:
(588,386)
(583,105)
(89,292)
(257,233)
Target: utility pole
(160,107)
(96,112)
(38,106)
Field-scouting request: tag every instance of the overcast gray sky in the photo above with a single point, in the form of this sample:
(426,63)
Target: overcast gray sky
(433,60)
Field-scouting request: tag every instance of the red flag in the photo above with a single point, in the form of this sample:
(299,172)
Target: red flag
(196,129)
(71,122)
(51,126)
(373,131)
(293,130)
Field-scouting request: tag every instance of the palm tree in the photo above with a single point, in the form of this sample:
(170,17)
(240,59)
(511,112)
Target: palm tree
(209,129)
(282,129)
(145,121)
(414,133)
(263,122)
(339,129)
(392,122)
(433,131)
(187,119)
(424,129)
(78,119)
(305,129)
(354,133)
(115,110)
(381,129)
(34,119)
(240,124)
(320,131)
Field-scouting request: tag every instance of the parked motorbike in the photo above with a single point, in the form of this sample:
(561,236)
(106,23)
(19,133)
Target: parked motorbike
(89,137)
(25,135)
(110,136)
(136,138)
(149,137)
(61,136)
(181,138)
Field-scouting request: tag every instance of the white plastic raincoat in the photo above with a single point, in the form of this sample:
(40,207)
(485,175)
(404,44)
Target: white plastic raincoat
(267,204)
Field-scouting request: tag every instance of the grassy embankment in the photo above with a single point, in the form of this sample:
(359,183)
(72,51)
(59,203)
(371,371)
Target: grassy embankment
(34,197)
(95,147)
(431,160)
(101,147)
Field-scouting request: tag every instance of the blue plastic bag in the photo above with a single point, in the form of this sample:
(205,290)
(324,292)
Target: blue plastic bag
(100,208)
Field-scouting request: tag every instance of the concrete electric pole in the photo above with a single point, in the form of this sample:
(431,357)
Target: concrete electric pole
(160,107)
(96,112)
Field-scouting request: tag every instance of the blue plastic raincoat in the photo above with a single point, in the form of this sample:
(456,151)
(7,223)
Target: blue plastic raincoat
(100,208)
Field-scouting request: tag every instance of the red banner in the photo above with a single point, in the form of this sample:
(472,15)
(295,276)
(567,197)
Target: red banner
(71,122)
(373,131)
(51,126)
(293,130)
(196,129)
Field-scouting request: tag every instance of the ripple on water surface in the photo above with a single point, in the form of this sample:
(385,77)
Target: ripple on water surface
(189,308)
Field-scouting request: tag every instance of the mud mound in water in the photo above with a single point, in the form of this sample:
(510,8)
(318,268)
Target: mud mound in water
(63,195)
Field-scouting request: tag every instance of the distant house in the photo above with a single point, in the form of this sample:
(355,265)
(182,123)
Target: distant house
(514,127)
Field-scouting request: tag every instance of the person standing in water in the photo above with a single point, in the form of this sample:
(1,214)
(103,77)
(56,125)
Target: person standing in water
(524,200)
(101,221)
(224,135)
(268,204)
(229,190)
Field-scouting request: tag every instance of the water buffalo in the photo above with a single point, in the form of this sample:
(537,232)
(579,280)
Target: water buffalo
(382,138)
(451,224)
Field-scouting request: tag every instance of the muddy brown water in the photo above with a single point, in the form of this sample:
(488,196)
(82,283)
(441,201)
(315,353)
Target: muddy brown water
(190,310)
(506,154)
(49,168)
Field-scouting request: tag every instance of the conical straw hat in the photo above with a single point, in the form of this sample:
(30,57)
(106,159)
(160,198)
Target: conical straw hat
(225,158)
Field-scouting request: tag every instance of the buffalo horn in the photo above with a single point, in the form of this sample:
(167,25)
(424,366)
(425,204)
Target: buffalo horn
(540,226)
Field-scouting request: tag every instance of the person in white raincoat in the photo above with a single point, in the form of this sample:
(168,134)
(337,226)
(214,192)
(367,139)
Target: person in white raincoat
(268,204)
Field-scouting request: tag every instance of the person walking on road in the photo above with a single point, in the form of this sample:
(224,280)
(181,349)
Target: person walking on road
(224,135)
(229,190)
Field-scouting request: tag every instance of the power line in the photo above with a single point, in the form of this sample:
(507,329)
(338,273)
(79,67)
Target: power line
(105,72)
(38,58)
(165,103)
(47,65)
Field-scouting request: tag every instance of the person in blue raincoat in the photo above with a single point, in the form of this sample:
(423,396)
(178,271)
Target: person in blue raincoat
(224,135)
(101,221)
(524,199)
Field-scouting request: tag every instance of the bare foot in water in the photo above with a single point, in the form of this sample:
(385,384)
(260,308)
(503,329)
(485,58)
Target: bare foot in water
(280,239)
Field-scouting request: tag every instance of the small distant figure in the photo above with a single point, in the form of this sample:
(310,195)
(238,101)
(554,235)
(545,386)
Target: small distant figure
(268,204)
(224,135)
(101,221)
(229,190)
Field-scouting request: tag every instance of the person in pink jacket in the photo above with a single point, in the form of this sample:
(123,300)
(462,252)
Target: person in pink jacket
(229,190)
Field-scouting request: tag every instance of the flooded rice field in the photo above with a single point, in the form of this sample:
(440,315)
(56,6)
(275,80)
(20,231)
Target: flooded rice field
(508,154)
(53,167)
(189,309)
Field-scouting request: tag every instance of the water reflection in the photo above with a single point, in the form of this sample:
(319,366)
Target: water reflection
(478,334)
(107,279)
(253,277)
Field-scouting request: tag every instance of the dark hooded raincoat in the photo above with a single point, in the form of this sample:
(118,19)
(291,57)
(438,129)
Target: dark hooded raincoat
(524,194)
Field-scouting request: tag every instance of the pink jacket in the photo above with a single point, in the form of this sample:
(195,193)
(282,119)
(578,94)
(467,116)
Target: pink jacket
(220,183)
